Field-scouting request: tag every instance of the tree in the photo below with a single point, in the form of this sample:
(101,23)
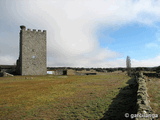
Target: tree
(128,65)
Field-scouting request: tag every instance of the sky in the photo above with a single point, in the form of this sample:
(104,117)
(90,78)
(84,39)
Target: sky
(85,33)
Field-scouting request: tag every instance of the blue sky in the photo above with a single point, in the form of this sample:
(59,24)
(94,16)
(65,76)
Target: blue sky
(85,33)
(131,39)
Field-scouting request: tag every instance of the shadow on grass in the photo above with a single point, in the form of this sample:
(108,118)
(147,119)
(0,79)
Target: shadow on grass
(124,102)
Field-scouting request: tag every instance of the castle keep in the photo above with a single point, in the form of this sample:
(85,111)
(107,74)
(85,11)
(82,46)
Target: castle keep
(32,56)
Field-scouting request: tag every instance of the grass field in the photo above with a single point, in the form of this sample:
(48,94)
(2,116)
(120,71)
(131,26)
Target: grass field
(59,97)
(154,94)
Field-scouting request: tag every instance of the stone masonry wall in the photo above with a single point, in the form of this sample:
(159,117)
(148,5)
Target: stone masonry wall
(143,106)
(32,60)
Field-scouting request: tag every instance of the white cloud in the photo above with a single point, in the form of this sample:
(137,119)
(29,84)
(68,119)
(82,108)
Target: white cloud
(152,62)
(71,26)
(152,45)
(7,60)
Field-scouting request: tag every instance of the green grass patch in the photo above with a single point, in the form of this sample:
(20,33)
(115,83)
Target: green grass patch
(154,94)
(58,97)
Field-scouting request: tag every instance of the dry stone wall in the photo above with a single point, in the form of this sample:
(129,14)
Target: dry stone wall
(5,74)
(143,106)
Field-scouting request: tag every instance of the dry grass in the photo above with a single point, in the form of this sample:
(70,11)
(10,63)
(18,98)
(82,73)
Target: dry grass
(58,97)
(154,94)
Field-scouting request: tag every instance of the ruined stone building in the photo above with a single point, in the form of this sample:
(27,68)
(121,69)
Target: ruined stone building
(32,56)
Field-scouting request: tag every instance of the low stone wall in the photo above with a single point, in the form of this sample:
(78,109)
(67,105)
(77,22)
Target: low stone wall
(5,74)
(143,107)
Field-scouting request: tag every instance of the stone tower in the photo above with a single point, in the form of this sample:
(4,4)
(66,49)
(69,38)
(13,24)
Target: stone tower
(32,58)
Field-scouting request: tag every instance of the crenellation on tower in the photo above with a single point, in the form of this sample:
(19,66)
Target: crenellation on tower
(28,29)
(44,31)
(23,27)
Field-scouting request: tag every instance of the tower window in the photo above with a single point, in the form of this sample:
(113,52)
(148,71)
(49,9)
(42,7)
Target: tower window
(33,56)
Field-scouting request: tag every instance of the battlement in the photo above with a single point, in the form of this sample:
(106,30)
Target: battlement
(23,28)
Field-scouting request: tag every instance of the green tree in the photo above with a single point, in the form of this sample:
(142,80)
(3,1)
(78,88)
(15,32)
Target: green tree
(128,65)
